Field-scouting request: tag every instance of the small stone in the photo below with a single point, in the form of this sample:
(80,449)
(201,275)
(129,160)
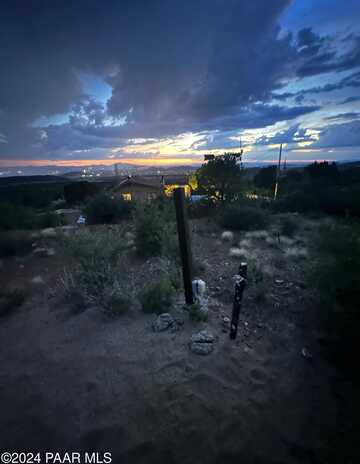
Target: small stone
(50,232)
(40,251)
(279,281)
(163,322)
(37,280)
(306,354)
(227,236)
(50,252)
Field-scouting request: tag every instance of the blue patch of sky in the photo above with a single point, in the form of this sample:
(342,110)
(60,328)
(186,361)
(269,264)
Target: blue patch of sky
(95,86)
(325,16)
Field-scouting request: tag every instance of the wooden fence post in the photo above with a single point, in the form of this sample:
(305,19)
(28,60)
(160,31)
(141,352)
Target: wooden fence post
(239,289)
(184,243)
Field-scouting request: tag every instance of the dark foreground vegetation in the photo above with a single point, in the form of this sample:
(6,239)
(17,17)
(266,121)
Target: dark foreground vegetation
(303,252)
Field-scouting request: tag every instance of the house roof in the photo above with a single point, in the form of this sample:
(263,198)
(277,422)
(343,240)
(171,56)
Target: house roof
(151,182)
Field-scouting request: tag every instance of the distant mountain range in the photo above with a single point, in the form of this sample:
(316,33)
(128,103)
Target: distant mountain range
(100,171)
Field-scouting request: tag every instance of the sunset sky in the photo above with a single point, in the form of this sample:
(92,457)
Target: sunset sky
(165,81)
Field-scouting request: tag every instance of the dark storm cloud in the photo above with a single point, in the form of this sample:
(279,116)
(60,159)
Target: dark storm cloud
(351,115)
(339,135)
(173,66)
(318,55)
(350,100)
(351,81)
(293,134)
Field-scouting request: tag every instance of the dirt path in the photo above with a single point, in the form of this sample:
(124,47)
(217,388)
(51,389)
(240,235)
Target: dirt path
(82,383)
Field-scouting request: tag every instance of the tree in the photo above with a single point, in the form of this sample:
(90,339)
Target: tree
(77,192)
(265,177)
(324,171)
(220,176)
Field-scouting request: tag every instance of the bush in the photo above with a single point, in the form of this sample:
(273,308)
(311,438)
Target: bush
(48,219)
(10,300)
(102,209)
(14,216)
(155,230)
(116,302)
(157,297)
(320,198)
(244,218)
(289,225)
(335,274)
(196,314)
(78,192)
(202,208)
(94,278)
(14,245)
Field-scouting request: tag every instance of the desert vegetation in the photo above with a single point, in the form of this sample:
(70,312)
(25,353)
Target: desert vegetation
(114,286)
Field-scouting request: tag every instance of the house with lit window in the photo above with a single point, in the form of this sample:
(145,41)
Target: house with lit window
(145,188)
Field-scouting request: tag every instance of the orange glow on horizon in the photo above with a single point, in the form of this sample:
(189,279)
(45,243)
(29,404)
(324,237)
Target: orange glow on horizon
(98,162)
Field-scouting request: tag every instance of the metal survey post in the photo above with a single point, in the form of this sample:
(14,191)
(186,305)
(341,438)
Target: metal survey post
(240,283)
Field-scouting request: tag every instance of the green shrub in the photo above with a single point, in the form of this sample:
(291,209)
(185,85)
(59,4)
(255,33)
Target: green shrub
(196,314)
(157,297)
(289,225)
(102,209)
(12,244)
(93,278)
(244,218)
(202,208)
(116,302)
(48,219)
(154,231)
(78,192)
(335,274)
(14,216)
(10,300)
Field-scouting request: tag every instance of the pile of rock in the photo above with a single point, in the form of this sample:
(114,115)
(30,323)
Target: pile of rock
(202,342)
(166,321)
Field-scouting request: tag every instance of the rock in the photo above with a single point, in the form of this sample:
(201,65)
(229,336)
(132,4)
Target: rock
(227,236)
(67,228)
(50,232)
(50,252)
(40,251)
(37,280)
(198,287)
(306,354)
(279,281)
(163,322)
(44,251)
(202,342)
(225,324)
(238,252)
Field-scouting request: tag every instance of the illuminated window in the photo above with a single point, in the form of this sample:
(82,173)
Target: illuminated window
(126,196)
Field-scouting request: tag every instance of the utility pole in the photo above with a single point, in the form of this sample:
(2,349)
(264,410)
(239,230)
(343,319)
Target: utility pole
(278,174)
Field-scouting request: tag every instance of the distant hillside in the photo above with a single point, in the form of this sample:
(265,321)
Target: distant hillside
(25,180)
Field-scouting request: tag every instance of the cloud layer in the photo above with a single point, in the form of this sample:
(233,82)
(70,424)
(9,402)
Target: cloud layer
(174,67)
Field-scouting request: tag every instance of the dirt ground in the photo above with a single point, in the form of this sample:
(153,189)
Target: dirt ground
(79,382)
